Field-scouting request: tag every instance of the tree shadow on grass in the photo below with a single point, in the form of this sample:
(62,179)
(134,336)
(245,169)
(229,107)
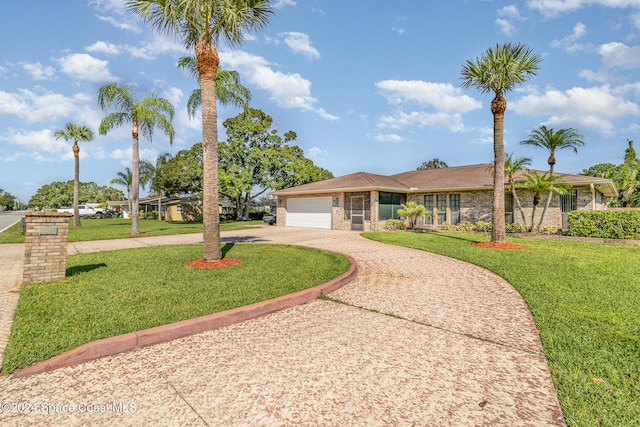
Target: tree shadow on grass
(226,248)
(72,271)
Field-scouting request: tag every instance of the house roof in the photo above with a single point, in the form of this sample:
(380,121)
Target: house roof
(457,178)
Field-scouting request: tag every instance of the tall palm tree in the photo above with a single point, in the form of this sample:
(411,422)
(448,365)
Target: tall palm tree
(551,141)
(144,115)
(124,178)
(200,25)
(229,90)
(513,167)
(498,71)
(154,174)
(541,184)
(76,133)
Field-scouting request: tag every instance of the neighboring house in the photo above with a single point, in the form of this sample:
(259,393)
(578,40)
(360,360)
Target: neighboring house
(364,201)
(174,208)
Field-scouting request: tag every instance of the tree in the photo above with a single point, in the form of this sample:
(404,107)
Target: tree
(539,184)
(499,70)
(124,178)
(58,194)
(551,141)
(412,211)
(513,167)
(144,115)
(434,163)
(7,201)
(629,176)
(155,174)
(229,91)
(201,25)
(183,173)
(76,133)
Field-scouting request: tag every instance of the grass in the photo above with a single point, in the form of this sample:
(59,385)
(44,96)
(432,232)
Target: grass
(103,296)
(585,299)
(119,228)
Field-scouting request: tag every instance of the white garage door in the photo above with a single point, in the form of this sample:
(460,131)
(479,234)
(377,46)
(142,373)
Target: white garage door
(312,212)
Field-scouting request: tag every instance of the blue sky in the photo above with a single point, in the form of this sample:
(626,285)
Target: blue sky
(367,85)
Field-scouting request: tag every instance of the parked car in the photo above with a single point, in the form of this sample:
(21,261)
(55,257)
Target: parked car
(87,211)
(269,218)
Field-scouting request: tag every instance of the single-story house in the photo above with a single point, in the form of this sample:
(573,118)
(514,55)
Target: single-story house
(173,208)
(364,201)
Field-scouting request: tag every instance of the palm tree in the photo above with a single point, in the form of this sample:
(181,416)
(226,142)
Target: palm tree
(145,115)
(498,71)
(551,141)
(229,90)
(124,178)
(201,24)
(154,174)
(413,211)
(512,167)
(77,133)
(540,184)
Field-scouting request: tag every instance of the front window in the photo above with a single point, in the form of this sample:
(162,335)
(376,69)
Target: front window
(454,204)
(508,208)
(389,205)
(441,202)
(428,204)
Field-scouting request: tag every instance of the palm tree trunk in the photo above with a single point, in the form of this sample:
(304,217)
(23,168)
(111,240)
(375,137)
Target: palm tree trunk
(207,61)
(76,186)
(519,205)
(135,181)
(159,206)
(498,233)
(548,202)
(533,216)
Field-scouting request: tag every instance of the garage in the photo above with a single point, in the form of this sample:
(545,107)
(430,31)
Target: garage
(311,212)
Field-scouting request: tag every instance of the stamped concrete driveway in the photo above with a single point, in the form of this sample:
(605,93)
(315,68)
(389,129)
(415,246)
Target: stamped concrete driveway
(415,339)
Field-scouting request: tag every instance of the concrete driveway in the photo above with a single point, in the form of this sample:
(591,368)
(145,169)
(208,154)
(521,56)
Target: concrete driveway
(416,339)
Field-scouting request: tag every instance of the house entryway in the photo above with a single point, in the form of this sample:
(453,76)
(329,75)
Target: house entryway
(357,213)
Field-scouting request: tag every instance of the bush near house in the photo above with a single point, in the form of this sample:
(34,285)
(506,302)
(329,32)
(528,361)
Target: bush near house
(623,224)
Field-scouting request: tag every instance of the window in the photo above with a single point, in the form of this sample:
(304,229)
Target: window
(179,209)
(569,201)
(508,208)
(428,204)
(441,204)
(454,205)
(389,205)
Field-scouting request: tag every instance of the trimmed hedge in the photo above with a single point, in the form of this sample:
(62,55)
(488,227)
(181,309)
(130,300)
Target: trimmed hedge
(605,224)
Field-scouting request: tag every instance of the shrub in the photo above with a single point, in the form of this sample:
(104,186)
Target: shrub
(466,226)
(447,226)
(517,227)
(623,224)
(548,229)
(483,226)
(395,224)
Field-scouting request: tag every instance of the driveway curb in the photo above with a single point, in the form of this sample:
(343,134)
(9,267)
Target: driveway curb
(159,334)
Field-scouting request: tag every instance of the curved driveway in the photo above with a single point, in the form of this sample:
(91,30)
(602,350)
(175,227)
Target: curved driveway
(415,339)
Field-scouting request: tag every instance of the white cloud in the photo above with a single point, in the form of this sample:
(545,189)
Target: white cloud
(506,16)
(286,90)
(159,44)
(317,153)
(388,137)
(39,145)
(569,43)
(108,8)
(556,7)
(37,71)
(452,122)
(85,67)
(299,43)
(34,107)
(441,96)
(104,47)
(278,4)
(592,108)
(398,27)
(616,54)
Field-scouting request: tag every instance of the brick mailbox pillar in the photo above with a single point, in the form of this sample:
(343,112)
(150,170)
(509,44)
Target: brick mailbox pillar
(45,250)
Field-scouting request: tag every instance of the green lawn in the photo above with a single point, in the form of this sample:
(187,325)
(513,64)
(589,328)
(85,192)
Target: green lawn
(119,228)
(111,293)
(585,298)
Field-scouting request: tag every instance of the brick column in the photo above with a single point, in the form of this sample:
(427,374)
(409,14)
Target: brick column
(45,250)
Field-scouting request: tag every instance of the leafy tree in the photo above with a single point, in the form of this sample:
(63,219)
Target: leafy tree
(76,133)
(183,173)
(124,178)
(7,201)
(145,115)
(155,174)
(498,71)
(551,141)
(539,184)
(412,211)
(58,194)
(629,177)
(601,170)
(434,163)
(201,25)
(229,91)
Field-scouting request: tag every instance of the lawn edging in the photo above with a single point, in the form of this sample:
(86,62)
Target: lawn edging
(160,334)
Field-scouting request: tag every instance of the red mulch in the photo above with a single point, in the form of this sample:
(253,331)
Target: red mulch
(502,246)
(223,263)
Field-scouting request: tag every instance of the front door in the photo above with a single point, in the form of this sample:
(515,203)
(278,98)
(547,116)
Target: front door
(357,213)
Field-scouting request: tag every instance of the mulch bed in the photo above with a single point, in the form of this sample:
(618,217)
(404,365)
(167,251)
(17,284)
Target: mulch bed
(223,263)
(501,246)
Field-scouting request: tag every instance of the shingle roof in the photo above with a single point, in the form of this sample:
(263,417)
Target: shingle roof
(456,178)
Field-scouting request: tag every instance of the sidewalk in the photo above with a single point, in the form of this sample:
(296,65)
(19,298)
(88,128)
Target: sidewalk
(469,356)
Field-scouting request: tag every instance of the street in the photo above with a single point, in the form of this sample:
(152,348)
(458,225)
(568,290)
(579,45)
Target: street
(7,219)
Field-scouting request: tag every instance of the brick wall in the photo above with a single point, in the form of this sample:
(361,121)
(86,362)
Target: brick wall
(45,251)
